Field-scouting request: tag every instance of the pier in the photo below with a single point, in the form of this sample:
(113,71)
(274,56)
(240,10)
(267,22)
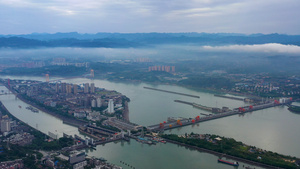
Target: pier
(167,91)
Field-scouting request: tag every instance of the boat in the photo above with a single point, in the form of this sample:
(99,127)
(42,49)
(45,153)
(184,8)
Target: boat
(228,162)
(102,159)
(163,141)
(34,110)
(249,168)
(20,106)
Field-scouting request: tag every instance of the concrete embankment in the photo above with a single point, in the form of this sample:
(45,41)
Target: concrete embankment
(229,97)
(223,155)
(199,106)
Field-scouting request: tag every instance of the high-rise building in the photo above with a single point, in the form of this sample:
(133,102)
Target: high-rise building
(110,108)
(173,68)
(57,88)
(99,103)
(69,88)
(92,88)
(93,103)
(92,73)
(64,88)
(86,88)
(75,88)
(47,77)
(87,102)
(167,68)
(5,125)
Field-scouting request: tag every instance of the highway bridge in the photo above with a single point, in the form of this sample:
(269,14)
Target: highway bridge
(184,122)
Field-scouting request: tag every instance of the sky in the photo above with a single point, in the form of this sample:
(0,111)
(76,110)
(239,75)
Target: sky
(142,16)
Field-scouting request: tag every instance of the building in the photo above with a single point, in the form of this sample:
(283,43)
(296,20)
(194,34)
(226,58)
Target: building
(99,103)
(87,102)
(63,87)
(80,114)
(57,88)
(77,157)
(5,125)
(92,88)
(86,88)
(18,163)
(93,103)
(69,88)
(75,88)
(110,108)
(80,165)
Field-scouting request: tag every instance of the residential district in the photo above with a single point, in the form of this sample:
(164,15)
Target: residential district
(101,111)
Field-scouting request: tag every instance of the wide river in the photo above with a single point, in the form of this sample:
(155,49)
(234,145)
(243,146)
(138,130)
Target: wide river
(273,129)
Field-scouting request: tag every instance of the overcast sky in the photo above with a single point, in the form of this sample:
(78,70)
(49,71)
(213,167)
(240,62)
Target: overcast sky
(129,16)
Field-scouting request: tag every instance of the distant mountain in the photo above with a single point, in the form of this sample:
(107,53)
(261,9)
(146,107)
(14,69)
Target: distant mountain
(117,40)
(19,42)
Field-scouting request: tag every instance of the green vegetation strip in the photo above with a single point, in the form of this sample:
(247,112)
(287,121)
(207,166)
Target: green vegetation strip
(234,148)
(295,109)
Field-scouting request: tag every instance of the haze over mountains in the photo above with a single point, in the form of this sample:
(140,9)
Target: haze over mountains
(124,40)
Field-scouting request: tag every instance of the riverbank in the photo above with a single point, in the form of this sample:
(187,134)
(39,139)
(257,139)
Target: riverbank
(73,122)
(229,148)
(295,109)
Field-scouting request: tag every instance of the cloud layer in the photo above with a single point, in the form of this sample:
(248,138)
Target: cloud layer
(91,16)
(261,48)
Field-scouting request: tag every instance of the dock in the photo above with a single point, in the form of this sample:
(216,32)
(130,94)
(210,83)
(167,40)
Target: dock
(167,91)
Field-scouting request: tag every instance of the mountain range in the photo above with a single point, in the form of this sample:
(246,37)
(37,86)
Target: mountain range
(124,40)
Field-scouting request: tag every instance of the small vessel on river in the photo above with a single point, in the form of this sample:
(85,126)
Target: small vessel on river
(34,110)
(228,162)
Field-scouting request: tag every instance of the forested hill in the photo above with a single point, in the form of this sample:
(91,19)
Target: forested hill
(121,40)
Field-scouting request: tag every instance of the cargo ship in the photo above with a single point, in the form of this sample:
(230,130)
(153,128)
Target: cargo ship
(228,162)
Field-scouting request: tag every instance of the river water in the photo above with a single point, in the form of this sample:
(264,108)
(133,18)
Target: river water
(273,129)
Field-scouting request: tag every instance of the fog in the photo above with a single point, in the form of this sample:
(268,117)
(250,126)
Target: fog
(267,56)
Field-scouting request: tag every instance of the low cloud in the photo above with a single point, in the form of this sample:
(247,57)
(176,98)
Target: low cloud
(258,48)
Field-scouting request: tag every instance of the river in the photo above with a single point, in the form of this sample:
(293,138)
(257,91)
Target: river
(270,129)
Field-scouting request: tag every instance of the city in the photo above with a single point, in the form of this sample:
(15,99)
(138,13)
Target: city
(149,84)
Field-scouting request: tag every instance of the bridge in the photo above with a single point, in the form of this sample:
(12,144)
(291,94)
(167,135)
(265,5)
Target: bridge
(185,122)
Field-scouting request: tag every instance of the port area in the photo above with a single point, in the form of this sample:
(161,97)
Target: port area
(179,122)
(167,91)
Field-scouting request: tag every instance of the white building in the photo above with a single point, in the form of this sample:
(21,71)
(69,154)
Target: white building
(99,102)
(110,108)
(93,104)
(80,114)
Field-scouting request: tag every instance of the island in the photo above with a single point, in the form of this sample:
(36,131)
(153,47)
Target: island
(230,148)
